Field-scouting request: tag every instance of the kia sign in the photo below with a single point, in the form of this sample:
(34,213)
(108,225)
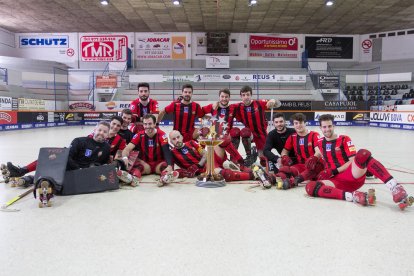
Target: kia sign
(273,47)
(46,41)
(104,48)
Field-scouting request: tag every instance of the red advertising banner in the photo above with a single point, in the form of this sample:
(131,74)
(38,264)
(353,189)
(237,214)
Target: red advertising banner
(8,117)
(273,43)
(104,48)
(106,82)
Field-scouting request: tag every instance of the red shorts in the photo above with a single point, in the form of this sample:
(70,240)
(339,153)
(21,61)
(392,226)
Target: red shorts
(346,181)
(153,165)
(260,141)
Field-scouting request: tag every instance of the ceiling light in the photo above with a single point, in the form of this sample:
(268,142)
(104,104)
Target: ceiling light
(176,2)
(252,2)
(329,3)
(104,2)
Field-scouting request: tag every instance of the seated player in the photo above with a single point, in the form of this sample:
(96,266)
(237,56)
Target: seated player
(303,143)
(346,170)
(142,106)
(276,139)
(113,139)
(154,155)
(191,158)
(124,132)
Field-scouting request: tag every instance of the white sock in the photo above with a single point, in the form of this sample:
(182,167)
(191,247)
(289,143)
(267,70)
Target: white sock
(391,184)
(349,196)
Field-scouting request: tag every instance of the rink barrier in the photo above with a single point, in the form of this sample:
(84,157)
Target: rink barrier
(18,120)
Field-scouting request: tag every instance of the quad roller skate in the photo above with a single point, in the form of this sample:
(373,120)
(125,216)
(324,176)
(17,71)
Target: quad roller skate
(25,181)
(262,176)
(167,178)
(365,199)
(15,171)
(45,191)
(127,178)
(251,159)
(401,198)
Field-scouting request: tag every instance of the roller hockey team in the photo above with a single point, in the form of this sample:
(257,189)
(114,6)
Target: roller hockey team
(133,143)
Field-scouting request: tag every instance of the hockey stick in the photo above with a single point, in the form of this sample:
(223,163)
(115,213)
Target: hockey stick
(270,125)
(4,207)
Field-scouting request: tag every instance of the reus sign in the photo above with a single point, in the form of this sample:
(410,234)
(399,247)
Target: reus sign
(104,48)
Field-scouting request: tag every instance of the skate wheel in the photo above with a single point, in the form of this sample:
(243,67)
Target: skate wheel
(49,204)
(40,205)
(410,200)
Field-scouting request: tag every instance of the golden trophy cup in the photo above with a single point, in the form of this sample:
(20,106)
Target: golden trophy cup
(210,179)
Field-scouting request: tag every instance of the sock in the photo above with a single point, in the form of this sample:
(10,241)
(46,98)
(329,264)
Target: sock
(391,184)
(32,166)
(234,154)
(318,189)
(247,145)
(349,196)
(377,169)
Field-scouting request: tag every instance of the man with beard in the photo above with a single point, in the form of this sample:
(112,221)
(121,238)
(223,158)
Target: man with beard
(184,113)
(191,158)
(276,139)
(224,115)
(142,106)
(252,114)
(124,132)
(154,154)
(346,170)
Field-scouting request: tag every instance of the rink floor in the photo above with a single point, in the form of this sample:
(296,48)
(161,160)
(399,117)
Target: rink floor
(185,230)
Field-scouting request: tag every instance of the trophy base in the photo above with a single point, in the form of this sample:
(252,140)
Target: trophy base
(210,184)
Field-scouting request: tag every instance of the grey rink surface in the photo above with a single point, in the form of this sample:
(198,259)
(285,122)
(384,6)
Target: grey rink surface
(185,230)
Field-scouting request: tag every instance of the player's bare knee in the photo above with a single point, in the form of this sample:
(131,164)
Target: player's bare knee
(362,157)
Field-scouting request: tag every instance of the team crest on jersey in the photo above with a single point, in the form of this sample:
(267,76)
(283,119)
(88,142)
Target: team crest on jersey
(248,109)
(301,141)
(185,109)
(150,143)
(184,150)
(145,111)
(223,112)
(328,147)
(88,153)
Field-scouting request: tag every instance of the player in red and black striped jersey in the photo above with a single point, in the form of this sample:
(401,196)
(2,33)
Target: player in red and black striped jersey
(252,114)
(142,106)
(191,158)
(154,153)
(303,143)
(185,113)
(346,169)
(224,114)
(116,142)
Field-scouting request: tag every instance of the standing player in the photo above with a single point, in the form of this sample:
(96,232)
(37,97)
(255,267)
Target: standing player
(276,139)
(225,114)
(303,144)
(346,170)
(125,133)
(142,106)
(185,112)
(154,153)
(252,114)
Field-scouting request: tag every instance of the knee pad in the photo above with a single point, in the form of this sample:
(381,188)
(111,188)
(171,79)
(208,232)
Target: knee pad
(362,157)
(294,170)
(246,132)
(313,187)
(136,172)
(235,132)
(285,170)
(228,175)
(163,166)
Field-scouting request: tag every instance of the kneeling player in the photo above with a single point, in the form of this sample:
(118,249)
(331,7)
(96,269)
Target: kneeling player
(346,170)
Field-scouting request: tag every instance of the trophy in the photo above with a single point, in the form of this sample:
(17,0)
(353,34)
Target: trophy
(216,130)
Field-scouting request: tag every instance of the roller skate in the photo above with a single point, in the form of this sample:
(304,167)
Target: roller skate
(45,191)
(288,183)
(399,195)
(262,176)
(15,171)
(167,178)
(363,198)
(25,181)
(251,158)
(127,178)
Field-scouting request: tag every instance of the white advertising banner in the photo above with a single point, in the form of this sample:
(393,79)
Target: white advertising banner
(393,117)
(213,62)
(5,103)
(103,48)
(339,116)
(161,46)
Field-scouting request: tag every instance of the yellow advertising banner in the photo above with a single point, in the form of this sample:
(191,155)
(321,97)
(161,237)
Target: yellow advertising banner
(178,47)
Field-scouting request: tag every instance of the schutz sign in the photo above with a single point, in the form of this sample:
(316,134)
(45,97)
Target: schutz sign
(44,41)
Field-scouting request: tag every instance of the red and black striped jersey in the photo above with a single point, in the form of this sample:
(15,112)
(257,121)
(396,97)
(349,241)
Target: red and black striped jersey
(190,154)
(141,110)
(337,152)
(150,147)
(224,115)
(303,146)
(253,116)
(184,115)
(116,143)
